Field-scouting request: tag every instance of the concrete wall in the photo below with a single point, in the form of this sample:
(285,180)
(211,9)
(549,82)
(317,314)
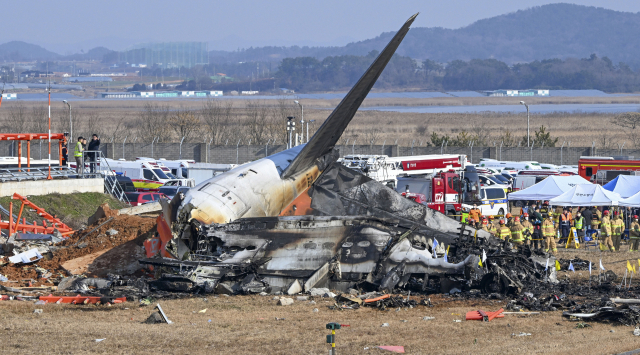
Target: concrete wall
(231,154)
(45,187)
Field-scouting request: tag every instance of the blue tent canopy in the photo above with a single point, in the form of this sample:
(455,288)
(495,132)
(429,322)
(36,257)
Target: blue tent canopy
(625,185)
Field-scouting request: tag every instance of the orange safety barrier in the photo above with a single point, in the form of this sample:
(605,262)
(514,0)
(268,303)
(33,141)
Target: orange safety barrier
(41,212)
(484,316)
(77,299)
(369,300)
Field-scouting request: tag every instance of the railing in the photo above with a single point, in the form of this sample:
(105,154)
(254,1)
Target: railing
(96,165)
(35,173)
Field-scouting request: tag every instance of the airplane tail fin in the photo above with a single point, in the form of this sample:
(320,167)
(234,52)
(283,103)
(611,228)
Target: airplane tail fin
(328,134)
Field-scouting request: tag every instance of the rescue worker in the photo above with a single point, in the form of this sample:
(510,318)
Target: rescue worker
(77,153)
(504,232)
(634,234)
(537,239)
(605,230)
(579,225)
(509,223)
(544,210)
(488,227)
(565,223)
(617,228)
(517,237)
(470,222)
(528,229)
(596,217)
(495,222)
(549,234)
(475,213)
(556,220)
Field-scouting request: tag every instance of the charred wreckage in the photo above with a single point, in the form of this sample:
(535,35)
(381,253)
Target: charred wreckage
(298,220)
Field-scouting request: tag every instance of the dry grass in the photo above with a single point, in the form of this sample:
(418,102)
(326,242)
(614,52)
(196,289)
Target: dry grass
(248,325)
(581,129)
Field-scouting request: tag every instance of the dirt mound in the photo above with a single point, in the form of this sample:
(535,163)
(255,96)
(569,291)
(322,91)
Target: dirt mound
(133,229)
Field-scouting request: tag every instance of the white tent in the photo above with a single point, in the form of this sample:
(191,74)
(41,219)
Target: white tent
(625,185)
(548,188)
(633,201)
(587,195)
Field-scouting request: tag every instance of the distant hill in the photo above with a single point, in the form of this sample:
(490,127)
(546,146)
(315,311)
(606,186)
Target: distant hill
(97,53)
(22,51)
(542,32)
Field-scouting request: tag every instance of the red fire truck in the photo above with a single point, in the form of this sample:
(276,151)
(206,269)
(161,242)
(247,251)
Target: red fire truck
(449,192)
(604,169)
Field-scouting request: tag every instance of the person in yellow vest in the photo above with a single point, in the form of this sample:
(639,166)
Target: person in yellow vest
(528,229)
(617,228)
(549,234)
(488,227)
(579,224)
(504,232)
(605,230)
(77,153)
(516,233)
(634,234)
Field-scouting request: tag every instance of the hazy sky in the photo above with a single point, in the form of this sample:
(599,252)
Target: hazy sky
(66,26)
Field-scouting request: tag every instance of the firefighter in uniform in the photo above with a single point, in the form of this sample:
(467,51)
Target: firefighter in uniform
(504,233)
(549,235)
(488,227)
(634,234)
(605,230)
(495,222)
(596,217)
(617,228)
(544,211)
(509,223)
(475,213)
(556,219)
(517,237)
(528,229)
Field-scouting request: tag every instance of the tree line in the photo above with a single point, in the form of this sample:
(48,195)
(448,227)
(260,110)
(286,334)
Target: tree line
(341,72)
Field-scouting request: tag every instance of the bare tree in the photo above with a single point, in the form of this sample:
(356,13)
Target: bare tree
(185,123)
(39,122)
(258,122)
(605,140)
(216,115)
(630,121)
(17,118)
(153,121)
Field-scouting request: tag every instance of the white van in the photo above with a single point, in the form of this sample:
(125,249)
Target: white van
(510,165)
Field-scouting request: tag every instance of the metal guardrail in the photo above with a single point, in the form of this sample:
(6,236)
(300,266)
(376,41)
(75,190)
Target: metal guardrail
(94,166)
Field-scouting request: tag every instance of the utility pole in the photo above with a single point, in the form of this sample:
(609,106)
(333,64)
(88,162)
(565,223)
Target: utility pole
(302,120)
(527,106)
(291,126)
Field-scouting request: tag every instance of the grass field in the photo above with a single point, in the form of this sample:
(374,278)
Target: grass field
(248,325)
(120,118)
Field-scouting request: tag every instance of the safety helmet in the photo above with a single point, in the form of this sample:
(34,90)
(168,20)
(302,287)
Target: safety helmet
(606,212)
(484,221)
(615,213)
(517,219)
(525,214)
(490,217)
(635,217)
(508,215)
(502,221)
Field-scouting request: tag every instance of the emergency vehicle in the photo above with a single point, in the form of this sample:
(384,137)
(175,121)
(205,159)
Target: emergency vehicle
(509,165)
(601,170)
(450,192)
(386,169)
(146,175)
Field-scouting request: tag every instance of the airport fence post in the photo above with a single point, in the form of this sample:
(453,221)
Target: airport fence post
(382,151)
(123,142)
(237,152)
(501,143)
(533,142)
(561,153)
(182,140)
(353,147)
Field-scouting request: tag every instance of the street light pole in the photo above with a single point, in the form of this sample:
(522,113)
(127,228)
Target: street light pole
(302,119)
(527,106)
(70,122)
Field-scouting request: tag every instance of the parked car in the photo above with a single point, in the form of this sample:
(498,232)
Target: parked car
(140,198)
(171,191)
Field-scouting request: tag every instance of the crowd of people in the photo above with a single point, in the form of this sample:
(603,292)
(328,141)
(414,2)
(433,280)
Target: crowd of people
(543,227)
